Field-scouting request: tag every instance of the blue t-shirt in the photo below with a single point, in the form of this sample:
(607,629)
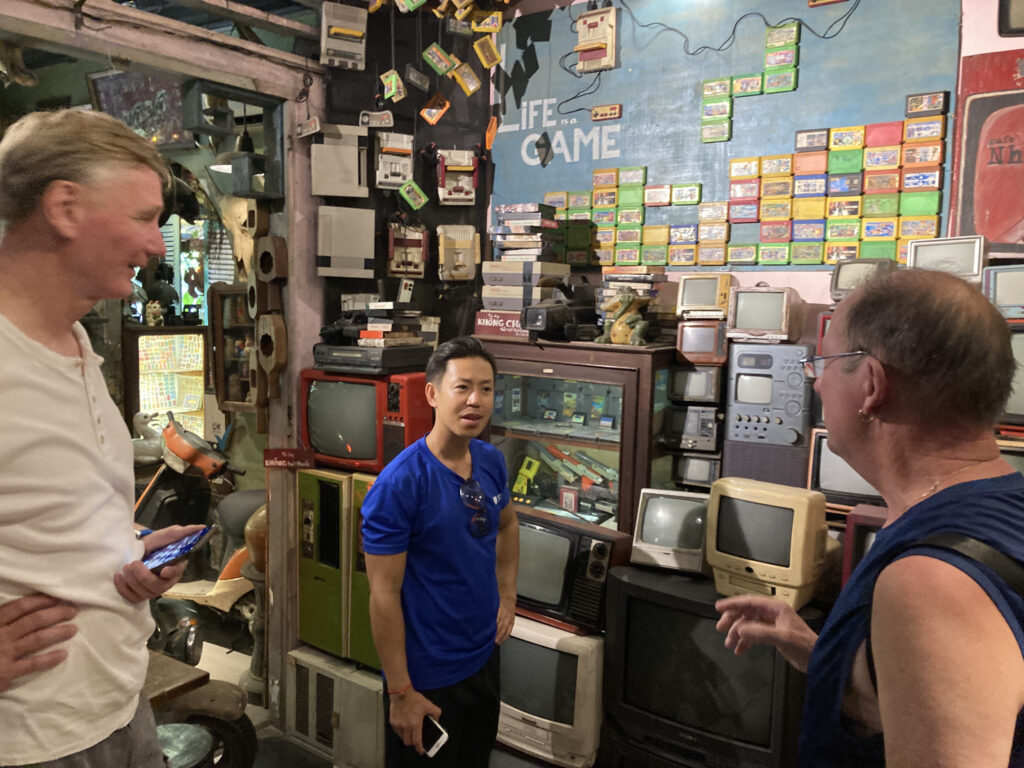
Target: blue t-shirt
(450,590)
(990,510)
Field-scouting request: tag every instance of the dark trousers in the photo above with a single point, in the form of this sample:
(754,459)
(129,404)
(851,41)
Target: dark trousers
(469,713)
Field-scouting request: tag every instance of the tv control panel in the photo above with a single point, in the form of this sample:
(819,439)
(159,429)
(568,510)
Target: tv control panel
(769,397)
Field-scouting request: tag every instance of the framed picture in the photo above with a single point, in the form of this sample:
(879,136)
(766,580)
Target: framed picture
(682,234)
(741,254)
(779,80)
(846,138)
(712,211)
(780,58)
(686,194)
(711,255)
(715,130)
(747,85)
(777,186)
(808,230)
(925,153)
(682,255)
(811,140)
(924,128)
(773,253)
(744,189)
(776,165)
(927,104)
(149,104)
(778,37)
(716,109)
(721,86)
(744,167)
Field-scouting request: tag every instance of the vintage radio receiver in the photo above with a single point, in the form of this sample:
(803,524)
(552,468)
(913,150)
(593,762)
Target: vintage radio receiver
(769,399)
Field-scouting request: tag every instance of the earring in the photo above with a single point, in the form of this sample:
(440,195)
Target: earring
(865,417)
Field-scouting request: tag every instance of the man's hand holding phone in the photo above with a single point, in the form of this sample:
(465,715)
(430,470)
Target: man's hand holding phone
(410,716)
(136,582)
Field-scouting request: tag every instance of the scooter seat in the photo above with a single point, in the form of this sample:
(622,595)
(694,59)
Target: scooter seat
(232,513)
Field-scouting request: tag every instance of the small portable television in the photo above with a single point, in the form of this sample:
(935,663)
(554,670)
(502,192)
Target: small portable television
(691,427)
(677,695)
(701,342)
(764,314)
(862,523)
(961,256)
(362,422)
(1013,416)
(768,539)
(699,469)
(695,384)
(704,297)
(551,684)
(563,567)
(669,530)
(830,474)
(850,274)
(1004,287)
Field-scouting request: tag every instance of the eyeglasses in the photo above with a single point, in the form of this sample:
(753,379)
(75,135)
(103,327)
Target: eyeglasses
(815,366)
(473,496)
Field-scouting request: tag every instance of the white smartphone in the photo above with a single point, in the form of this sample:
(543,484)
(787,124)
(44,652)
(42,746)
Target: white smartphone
(434,736)
(178,550)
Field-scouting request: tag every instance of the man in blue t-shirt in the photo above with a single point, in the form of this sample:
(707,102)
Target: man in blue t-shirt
(442,552)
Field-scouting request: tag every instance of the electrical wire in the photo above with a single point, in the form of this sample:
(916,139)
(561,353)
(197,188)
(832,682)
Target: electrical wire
(593,88)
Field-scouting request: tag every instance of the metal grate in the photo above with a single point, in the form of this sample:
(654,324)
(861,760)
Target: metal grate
(302,699)
(325,710)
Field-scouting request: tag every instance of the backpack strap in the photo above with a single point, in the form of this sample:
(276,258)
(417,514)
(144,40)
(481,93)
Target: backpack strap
(1005,567)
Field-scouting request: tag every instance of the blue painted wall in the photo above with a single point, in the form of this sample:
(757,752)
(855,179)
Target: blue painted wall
(887,49)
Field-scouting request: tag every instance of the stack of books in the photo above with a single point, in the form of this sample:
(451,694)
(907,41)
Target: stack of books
(527,232)
(388,327)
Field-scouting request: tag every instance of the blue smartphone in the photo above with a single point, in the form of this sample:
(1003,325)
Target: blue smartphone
(178,550)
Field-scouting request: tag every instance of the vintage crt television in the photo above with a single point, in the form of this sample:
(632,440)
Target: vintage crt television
(764,314)
(334,708)
(1014,413)
(701,342)
(831,475)
(362,422)
(862,523)
(962,256)
(669,530)
(703,297)
(1004,286)
(563,567)
(691,427)
(334,590)
(700,469)
(849,274)
(768,539)
(551,693)
(695,384)
(673,689)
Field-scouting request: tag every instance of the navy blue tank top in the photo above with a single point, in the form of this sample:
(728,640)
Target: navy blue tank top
(990,510)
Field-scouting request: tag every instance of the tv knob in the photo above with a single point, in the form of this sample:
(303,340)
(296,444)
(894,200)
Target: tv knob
(738,417)
(791,436)
(599,550)
(596,570)
(795,380)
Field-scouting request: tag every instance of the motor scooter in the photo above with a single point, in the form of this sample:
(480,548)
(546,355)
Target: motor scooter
(179,493)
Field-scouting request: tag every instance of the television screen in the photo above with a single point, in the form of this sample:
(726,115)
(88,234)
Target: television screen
(760,310)
(342,419)
(754,531)
(834,474)
(852,273)
(543,557)
(537,680)
(755,389)
(957,255)
(673,521)
(668,650)
(700,338)
(694,469)
(700,293)
(695,384)
(1009,288)
(1015,405)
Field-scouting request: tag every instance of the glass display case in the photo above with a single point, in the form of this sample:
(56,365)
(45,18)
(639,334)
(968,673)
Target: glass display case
(233,338)
(165,370)
(579,425)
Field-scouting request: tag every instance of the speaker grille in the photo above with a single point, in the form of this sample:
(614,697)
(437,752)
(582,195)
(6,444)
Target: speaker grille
(329,524)
(325,710)
(302,700)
